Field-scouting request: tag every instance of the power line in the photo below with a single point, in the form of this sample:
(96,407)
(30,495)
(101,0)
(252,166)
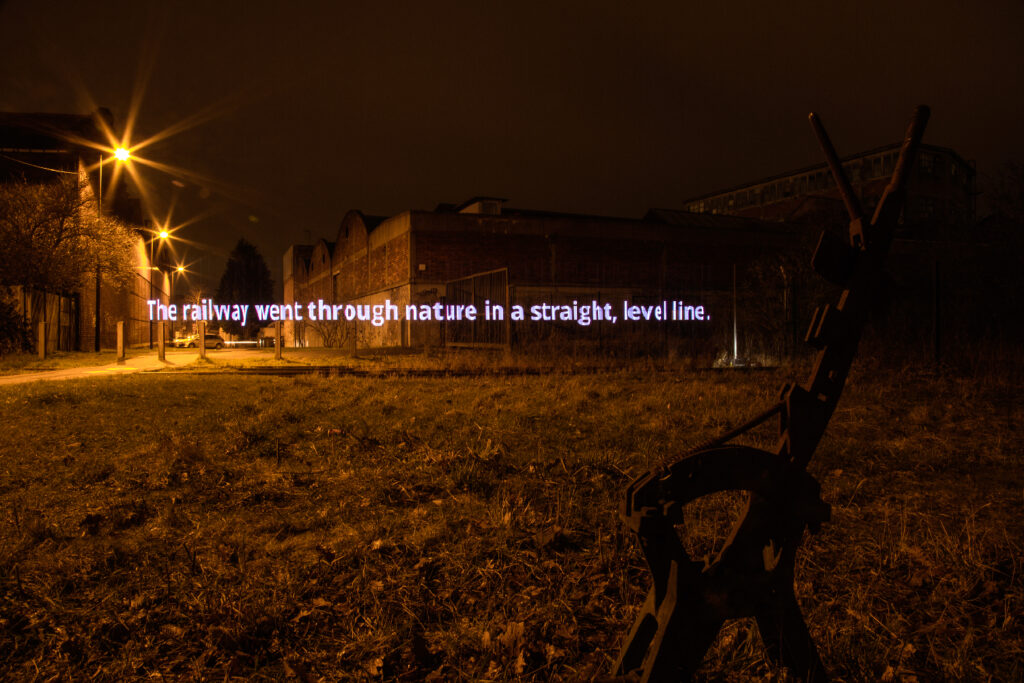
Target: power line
(44,168)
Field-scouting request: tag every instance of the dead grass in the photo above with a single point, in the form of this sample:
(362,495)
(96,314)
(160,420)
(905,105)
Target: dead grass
(466,529)
(451,360)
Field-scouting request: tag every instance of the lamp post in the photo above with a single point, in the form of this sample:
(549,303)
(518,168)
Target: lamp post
(120,154)
(162,235)
(178,272)
(96,301)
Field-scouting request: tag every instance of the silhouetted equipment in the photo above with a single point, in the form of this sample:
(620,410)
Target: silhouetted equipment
(752,576)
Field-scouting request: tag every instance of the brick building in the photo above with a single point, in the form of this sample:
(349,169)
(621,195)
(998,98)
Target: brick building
(484,251)
(454,252)
(42,148)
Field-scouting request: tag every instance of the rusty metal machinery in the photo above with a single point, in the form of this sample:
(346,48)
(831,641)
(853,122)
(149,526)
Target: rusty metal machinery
(752,576)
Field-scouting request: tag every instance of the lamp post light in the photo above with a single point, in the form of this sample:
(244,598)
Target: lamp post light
(162,235)
(178,272)
(120,154)
(175,275)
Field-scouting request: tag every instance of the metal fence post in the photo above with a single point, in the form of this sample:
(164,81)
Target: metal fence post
(41,341)
(278,339)
(161,350)
(202,339)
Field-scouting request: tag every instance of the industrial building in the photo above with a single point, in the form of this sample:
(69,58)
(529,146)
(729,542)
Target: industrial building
(941,190)
(483,251)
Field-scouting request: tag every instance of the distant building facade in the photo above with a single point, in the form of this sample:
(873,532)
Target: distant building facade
(941,190)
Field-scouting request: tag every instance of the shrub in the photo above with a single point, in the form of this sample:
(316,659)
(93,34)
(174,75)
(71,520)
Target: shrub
(14,333)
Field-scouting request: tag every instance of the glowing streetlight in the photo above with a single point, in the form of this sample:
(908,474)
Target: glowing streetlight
(175,274)
(162,235)
(121,154)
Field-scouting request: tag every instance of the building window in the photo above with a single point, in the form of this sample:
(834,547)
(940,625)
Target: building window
(925,208)
(888,163)
(927,165)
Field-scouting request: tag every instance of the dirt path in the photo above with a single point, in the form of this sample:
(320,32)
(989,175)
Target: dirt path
(131,365)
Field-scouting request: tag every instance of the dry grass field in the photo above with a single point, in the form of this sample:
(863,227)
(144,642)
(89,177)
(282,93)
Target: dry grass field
(465,528)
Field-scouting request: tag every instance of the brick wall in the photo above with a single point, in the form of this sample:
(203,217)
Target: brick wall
(571,252)
(366,265)
(452,255)
(126,303)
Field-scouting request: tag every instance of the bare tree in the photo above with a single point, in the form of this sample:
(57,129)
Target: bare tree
(332,333)
(195,298)
(51,238)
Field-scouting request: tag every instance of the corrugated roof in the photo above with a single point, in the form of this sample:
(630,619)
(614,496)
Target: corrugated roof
(689,219)
(895,146)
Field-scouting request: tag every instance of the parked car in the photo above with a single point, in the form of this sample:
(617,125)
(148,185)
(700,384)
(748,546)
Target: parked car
(213,341)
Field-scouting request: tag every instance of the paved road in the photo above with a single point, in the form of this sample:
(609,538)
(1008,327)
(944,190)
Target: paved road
(131,365)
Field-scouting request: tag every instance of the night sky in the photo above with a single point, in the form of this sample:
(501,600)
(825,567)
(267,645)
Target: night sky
(290,117)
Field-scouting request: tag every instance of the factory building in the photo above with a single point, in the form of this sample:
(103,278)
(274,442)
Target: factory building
(483,251)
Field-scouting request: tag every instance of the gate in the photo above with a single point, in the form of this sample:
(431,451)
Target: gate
(489,293)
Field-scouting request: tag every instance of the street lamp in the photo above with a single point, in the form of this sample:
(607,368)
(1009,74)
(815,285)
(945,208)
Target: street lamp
(175,274)
(120,154)
(162,235)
